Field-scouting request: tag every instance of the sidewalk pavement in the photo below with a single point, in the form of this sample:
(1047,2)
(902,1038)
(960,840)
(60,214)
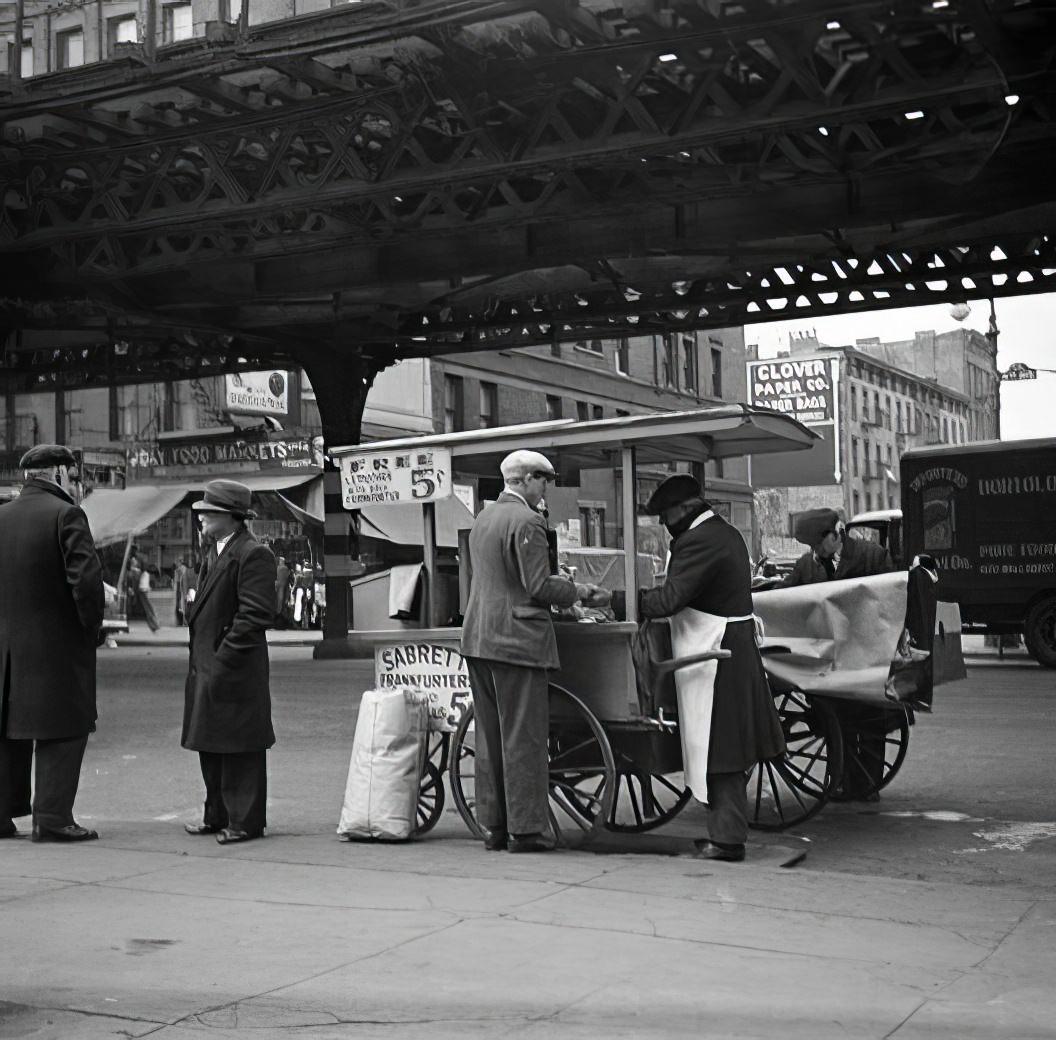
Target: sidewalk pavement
(150,932)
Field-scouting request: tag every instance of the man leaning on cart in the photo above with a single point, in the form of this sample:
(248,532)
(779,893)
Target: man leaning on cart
(727,720)
(508,642)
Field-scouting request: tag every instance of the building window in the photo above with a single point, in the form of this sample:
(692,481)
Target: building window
(689,367)
(177,23)
(489,405)
(668,351)
(945,430)
(876,408)
(887,414)
(898,417)
(582,414)
(597,412)
(69,47)
(623,356)
(868,501)
(854,403)
(453,401)
(595,346)
(120,30)
(553,407)
(27,59)
(854,456)
(856,503)
(231,10)
(716,372)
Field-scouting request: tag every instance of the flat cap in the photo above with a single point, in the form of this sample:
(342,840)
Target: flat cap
(43,455)
(226,496)
(811,526)
(679,488)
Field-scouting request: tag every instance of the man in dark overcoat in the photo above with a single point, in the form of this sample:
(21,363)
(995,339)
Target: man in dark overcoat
(707,595)
(51,612)
(833,555)
(508,642)
(227,699)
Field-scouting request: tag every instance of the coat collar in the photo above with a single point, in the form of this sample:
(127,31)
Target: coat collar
(218,566)
(35,484)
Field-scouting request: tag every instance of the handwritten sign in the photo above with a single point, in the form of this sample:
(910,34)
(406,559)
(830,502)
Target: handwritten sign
(437,670)
(380,477)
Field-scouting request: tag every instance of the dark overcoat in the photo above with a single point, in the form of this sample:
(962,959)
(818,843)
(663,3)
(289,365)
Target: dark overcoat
(709,570)
(51,608)
(859,558)
(508,614)
(227,699)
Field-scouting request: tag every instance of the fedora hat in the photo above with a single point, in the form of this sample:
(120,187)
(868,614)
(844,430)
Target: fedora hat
(673,492)
(226,496)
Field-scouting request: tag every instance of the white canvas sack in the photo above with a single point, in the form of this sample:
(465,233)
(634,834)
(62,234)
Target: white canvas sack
(388,754)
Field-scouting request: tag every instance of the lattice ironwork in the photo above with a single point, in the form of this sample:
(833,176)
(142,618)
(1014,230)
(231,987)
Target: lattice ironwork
(451,176)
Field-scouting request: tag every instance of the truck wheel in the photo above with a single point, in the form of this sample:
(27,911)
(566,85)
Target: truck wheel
(1040,632)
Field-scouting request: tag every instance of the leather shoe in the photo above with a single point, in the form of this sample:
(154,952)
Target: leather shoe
(713,850)
(496,840)
(230,836)
(201,828)
(72,832)
(531,843)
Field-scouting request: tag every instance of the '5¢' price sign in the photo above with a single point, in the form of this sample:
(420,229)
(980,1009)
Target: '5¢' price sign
(380,477)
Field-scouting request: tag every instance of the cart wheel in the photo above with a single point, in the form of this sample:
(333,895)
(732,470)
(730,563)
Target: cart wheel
(645,800)
(874,747)
(430,799)
(582,772)
(790,790)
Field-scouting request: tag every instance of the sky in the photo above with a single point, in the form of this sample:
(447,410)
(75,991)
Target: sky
(1027,333)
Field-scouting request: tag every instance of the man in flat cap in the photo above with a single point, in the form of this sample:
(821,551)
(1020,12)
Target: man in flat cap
(508,642)
(727,719)
(51,612)
(832,554)
(227,699)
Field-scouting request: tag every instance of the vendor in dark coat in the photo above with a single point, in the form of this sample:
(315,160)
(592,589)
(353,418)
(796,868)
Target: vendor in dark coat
(51,610)
(227,700)
(707,595)
(832,554)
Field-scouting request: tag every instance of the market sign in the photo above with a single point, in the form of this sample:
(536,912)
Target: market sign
(217,455)
(803,388)
(257,393)
(412,475)
(434,669)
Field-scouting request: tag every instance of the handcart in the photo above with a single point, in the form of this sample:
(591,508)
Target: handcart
(615,752)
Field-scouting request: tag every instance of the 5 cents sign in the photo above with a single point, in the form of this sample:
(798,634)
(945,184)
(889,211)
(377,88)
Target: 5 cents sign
(373,477)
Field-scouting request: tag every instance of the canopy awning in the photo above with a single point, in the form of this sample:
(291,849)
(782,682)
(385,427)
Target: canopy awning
(115,513)
(402,523)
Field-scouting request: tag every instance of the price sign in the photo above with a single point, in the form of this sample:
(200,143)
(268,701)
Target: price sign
(379,477)
(1019,371)
(436,670)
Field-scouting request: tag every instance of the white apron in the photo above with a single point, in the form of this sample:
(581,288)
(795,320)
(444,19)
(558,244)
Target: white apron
(696,632)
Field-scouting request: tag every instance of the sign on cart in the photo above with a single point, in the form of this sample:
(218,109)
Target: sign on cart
(435,669)
(372,477)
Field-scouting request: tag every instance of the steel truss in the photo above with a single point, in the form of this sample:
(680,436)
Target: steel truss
(459,176)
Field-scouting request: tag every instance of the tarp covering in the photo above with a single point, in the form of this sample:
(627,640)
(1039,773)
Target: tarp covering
(402,523)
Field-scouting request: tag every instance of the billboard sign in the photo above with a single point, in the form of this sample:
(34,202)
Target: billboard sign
(803,388)
(257,393)
(418,475)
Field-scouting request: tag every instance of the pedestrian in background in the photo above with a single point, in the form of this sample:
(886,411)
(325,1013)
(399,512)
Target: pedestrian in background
(509,643)
(282,590)
(143,595)
(51,613)
(181,582)
(227,699)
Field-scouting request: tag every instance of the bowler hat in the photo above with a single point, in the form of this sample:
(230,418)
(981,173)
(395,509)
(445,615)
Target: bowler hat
(810,527)
(679,488)
(43,455)
(226,496)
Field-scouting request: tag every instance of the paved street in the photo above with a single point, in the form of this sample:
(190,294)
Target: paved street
(928,914)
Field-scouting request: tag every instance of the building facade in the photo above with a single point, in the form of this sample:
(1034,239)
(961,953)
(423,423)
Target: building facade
(934,389)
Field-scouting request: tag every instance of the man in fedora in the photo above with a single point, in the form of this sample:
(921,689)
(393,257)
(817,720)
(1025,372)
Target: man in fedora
(51,613)
(227,700)
(727,720)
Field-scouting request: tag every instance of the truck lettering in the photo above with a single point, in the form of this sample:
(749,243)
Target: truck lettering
(1029,485)
(939,474)
(997,550)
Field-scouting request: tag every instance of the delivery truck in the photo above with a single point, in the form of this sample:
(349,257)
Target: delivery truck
(986,512)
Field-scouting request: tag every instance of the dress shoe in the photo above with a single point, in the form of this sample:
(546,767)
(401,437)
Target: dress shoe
(202,828)
(531,843)
(72,832)
(713,850)
(496,840)
(231,836)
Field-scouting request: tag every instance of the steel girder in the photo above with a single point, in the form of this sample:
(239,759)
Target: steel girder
(449,176)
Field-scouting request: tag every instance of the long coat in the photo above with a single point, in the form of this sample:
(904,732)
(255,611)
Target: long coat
(51,608)
(227,699)
(709,570)
(858,559)
(508,614)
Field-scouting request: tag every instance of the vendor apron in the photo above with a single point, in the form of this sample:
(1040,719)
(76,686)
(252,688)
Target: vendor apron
(697,632)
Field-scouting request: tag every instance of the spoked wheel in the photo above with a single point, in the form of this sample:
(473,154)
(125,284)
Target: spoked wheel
(582,773)
(875,741)
(646,797)
(790,790)
(430,799)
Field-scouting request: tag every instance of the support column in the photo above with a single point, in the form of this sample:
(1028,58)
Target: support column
(341,379)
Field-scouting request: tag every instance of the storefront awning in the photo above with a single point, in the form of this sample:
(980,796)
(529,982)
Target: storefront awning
(113,513)
(402,523)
